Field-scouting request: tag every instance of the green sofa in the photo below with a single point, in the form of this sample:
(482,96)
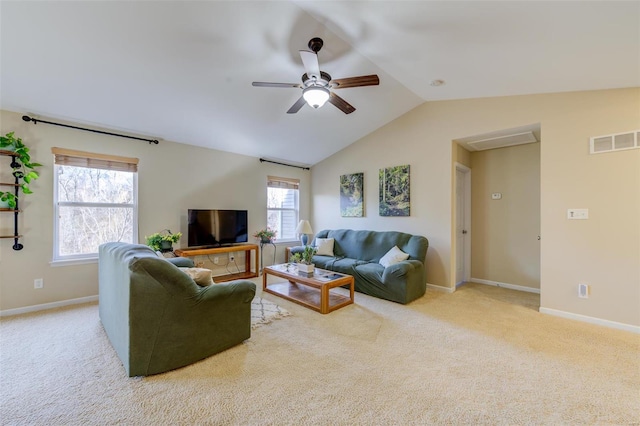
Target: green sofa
(358,253)
(158,319)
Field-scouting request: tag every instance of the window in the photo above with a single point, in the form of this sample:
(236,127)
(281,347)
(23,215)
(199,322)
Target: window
(95,201)
(282,206)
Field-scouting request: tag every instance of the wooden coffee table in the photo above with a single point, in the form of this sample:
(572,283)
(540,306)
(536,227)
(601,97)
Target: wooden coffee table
(312,292)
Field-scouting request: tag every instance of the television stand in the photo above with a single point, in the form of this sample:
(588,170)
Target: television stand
(246,248)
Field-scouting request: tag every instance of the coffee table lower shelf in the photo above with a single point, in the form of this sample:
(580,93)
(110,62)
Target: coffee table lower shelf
(307,296)
(311,292)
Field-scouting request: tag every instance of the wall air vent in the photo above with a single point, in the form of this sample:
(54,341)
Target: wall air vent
(502,141)
(615,142)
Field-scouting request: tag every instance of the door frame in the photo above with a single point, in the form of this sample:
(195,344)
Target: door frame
(466,255)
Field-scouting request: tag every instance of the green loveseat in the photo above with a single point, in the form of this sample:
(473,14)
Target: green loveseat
(358,253)
(158,319)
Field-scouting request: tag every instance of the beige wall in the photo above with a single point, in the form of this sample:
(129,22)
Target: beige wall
(504,237)
(172,178)
(603,251)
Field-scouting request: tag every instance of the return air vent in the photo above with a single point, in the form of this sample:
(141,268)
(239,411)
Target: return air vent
(615,142)
(502,141)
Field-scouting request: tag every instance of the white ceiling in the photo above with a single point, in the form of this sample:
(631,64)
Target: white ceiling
(182,71)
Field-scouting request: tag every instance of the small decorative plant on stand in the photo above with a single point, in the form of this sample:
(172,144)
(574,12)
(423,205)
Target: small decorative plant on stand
(266,236)
(305,259)
(23,168)
(163,241)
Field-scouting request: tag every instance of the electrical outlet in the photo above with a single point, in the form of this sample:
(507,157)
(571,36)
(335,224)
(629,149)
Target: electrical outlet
(583,291)
(231,257)
(216,260)
(38,283)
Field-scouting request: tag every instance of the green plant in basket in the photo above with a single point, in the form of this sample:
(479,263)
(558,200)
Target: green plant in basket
(23,168)
(162,240)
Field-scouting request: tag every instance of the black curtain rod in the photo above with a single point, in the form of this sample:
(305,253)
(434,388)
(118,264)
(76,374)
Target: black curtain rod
(262,160)
(27,118)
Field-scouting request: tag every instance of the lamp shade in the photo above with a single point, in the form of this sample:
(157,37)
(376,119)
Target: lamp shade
(304,227)
(315,96)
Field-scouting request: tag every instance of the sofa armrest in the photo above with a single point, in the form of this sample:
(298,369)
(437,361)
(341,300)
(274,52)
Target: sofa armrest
(399,270)
(181,262)
(296,249)
(228,293)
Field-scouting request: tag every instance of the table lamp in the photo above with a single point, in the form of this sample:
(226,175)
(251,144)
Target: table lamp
(303,229)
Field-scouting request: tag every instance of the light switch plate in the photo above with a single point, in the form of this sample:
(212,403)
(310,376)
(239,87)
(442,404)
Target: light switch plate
(578,214)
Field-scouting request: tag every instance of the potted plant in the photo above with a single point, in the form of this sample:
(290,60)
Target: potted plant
(304,259)
(163,241)
(23,168)
(266,236)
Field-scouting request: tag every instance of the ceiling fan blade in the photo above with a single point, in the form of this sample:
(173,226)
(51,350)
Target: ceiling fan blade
(310,62)
(363,80)
(341,104)
(296,107)
(264,84)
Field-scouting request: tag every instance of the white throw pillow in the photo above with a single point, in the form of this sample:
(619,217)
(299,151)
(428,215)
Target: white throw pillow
(201,276)
(325,246)
(393,256)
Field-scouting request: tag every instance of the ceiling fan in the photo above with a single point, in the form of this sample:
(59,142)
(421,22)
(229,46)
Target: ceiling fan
(316,84)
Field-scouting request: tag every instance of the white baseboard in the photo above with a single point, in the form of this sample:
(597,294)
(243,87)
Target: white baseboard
(44,306)
(591,320)
(506,285)
(440,288)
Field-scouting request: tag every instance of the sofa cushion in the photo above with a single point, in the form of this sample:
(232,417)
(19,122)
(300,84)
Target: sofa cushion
(201,276)
(325,246)
(393,256)
(370,246)
(342,265)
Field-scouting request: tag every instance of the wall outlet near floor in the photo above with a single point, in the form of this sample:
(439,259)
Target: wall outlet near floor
(38,283)
(583,291)
(216,260)
(231,257)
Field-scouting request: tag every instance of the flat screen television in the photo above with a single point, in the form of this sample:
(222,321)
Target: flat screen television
(215,228)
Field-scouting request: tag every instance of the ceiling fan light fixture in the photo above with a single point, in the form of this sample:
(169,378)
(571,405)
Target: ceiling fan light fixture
(316,96)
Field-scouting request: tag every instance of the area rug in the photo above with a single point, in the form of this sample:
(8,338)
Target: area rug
(263,312)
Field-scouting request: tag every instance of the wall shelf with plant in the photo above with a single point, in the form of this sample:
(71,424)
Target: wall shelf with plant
(23,171)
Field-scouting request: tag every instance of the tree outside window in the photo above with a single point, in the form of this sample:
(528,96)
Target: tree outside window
(93,205)
(283,206)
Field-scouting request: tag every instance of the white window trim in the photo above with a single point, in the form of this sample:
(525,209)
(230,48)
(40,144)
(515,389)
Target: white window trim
(80,259)
(296,209)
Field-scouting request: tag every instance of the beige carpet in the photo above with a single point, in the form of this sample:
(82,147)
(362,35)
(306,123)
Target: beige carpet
(482,355)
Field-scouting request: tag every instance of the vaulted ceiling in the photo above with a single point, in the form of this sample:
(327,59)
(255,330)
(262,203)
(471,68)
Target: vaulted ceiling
(182,70)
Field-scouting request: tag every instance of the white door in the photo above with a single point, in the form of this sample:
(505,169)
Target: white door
(463,223)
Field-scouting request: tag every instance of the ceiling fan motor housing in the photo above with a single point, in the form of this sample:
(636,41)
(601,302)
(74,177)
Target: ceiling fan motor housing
(324,80)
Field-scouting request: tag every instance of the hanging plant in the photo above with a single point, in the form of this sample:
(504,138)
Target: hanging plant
(23,168)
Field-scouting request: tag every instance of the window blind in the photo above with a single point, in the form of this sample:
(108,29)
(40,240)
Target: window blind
(69,157)
(279,182)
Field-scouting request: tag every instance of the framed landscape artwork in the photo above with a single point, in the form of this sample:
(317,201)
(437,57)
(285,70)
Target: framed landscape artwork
(394,191)
(352,195)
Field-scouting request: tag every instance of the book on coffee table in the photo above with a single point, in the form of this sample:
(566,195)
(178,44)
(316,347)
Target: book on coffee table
(328,277)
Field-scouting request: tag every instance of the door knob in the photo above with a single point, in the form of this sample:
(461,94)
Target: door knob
(464,231)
